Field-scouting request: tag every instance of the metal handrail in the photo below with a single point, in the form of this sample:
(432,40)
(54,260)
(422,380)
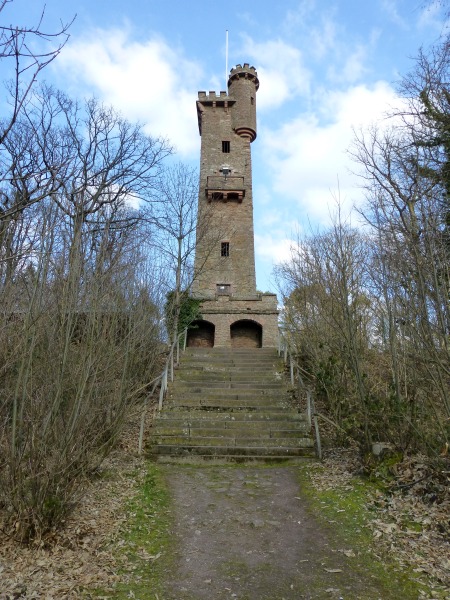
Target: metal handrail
(163,380)
(284,349)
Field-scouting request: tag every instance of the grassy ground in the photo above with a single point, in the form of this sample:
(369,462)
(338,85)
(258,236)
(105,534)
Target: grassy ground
(344,509)
(146,550)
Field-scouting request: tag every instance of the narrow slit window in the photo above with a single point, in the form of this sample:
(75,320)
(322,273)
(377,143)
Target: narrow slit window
(225,249)
(226,146)
(252,100)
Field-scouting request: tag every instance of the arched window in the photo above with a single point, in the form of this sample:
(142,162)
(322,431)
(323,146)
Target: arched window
(201,334)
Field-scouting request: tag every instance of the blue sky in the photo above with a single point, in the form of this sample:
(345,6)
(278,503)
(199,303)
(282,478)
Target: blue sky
(325,67)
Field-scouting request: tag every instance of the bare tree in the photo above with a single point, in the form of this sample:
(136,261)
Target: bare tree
(326,309)
(406,175)
(176,231)
(18,47)
(85,158)
(78,347)
(405,208)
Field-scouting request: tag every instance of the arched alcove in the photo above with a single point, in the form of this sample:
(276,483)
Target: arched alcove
(246,334)
(201,335)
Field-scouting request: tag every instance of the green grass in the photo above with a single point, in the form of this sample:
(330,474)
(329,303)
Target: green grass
(146,549)
(346,512)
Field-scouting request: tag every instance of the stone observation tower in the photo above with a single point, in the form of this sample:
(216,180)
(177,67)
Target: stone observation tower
(234,313)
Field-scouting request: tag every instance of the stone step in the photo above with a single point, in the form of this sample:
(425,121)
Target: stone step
(224,378)
(203,371)
(244,391)
(217,363)
(226,441)
(248,391)
(231,400)
(230,433)
(234,358)
(231,405)
(231,452)
(233,351)
(243,361)
(171,426)
(228,403)
(202,416)
(226,385)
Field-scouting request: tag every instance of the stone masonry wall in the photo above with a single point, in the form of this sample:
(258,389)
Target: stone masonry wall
(225,214)
(223,312)
(219,220)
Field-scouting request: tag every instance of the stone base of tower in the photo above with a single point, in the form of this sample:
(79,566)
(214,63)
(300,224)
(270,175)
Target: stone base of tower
(237,322)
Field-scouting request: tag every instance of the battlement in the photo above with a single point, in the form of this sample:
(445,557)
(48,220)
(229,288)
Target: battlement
(246,72)
(212,99)
(212,96)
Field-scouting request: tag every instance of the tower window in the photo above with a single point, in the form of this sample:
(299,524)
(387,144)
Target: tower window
(252,100)
(226,147)
(223,289)
(225,249)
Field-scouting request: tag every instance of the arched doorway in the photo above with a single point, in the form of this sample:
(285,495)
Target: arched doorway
(246,334)
(201,335)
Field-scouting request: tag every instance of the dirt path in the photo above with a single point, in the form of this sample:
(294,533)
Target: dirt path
(247,534)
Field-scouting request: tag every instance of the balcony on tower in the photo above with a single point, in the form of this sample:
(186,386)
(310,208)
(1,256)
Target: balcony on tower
(225,188)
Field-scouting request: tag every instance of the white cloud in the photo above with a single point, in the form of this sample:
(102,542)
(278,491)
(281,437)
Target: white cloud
(271,248)
(351,68)
(269,218)
(431,16)
(391,9)
(307,157)
(280,68)
(354,66)
(296,18)
(323,40)
(147,81)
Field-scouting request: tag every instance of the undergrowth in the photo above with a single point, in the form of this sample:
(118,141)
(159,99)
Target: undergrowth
(346,510)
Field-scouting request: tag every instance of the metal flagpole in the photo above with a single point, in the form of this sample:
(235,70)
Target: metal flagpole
(226,59)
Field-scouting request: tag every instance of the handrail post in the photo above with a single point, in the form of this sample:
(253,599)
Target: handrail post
(291,366)
(299,383)
(162,391)
(161,395)
(185,339)
(319,444)
(308,407)
(171,365)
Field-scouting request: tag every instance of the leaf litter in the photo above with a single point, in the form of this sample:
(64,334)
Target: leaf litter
(82,555)
(411,519)
(411,513)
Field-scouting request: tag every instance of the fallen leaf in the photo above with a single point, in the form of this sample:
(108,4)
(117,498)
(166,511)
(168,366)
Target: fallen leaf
(333,570)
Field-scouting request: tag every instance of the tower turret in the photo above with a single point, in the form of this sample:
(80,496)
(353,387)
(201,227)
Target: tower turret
(243,84)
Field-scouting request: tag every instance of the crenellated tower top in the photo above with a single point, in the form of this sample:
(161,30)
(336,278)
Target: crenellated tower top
(246,72)
(243,84)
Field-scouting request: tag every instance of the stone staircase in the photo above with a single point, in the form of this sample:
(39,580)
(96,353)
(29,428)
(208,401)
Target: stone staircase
(230,404)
